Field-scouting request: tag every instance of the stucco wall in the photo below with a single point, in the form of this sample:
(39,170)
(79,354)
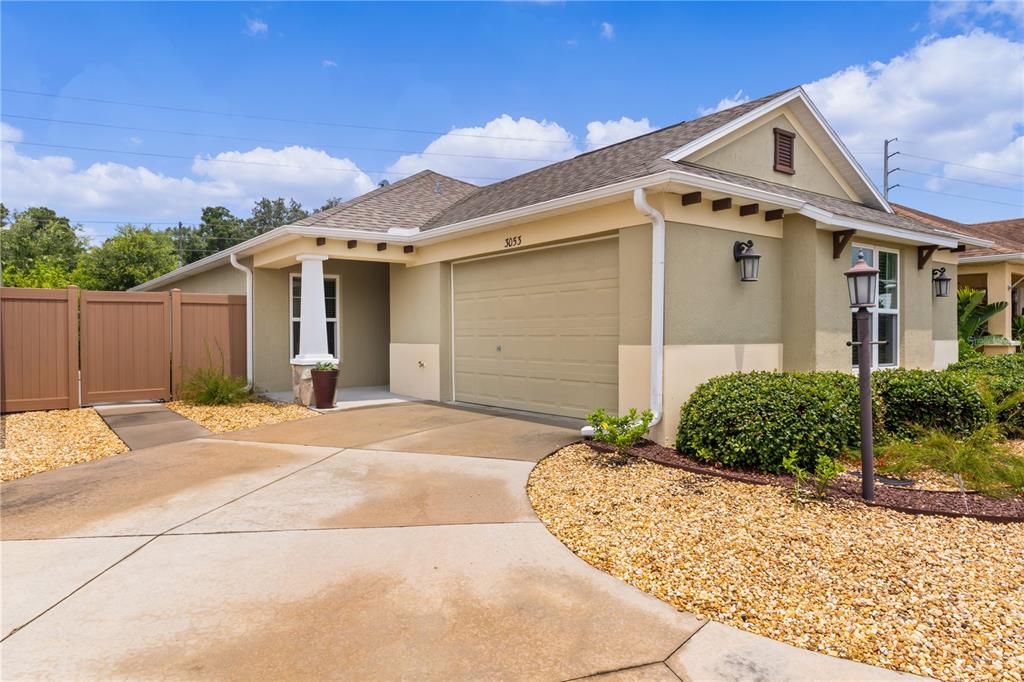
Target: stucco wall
(221,280)
(753,154)
(364,324)
(421,331)
(705,301)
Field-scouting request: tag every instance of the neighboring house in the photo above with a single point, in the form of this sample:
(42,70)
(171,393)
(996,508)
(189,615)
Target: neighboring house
(998,269)
(544,292)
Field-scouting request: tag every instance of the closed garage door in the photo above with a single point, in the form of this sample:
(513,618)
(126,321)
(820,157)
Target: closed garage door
(539,330)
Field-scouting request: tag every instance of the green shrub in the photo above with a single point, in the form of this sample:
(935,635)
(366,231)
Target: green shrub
(976,461)
(211,385)
(623,432)
(1000,380)
(933,400)
(825,471)
(756,420)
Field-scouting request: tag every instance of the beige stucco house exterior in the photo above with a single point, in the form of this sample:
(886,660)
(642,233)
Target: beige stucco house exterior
(606,280)
(997,269)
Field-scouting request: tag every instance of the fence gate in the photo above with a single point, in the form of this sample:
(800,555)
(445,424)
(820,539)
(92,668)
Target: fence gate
(38,349)
(125,346)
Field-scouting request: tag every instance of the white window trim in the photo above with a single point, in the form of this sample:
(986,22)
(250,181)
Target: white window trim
(292,276)
(876,311)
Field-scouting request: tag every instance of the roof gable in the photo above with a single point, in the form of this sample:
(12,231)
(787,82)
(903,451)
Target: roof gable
(407,203)
(819,136)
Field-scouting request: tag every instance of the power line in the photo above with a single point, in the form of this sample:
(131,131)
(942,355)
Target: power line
(948,163)
(970,182)
(232,161)
(279,119)
(961,196)
(268,140)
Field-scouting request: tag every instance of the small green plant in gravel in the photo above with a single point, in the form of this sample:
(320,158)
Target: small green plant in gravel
(211,385)
(825,471)
(977,461)
(799,474)
(623,432)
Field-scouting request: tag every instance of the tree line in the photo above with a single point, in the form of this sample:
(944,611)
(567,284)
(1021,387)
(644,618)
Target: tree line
(39,248)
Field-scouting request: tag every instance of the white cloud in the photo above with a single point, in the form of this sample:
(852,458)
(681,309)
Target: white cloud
(602,134)
(572,42)
(956,99)
(523,143)
(135,139)
(104,191)
(607,31)
(969,14)
(725,103)
(329,64)
(9,133)
(255,27)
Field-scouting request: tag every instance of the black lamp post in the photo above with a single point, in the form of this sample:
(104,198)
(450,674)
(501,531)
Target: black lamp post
(862,280)
(940,282)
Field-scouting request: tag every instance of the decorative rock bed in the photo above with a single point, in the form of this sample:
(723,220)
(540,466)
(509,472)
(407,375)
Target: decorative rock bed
(931,595)
(225,418)
(32,442)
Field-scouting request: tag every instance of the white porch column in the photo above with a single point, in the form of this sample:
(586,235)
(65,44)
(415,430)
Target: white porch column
(313,313)
(312,327)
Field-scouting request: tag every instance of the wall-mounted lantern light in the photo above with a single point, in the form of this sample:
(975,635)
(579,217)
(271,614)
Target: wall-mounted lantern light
(863,282)
(940,282)
(749,260)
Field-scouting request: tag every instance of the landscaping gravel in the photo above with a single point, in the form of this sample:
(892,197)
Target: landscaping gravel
(31,442)
(224,418)
(930,595)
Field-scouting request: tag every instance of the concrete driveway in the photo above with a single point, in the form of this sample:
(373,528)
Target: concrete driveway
(382,543)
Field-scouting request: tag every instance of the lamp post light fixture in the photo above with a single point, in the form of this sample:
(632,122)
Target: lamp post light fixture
(940,282)
(862,280)
(749,260)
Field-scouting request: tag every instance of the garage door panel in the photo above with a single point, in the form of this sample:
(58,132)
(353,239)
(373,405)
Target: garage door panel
(554,312)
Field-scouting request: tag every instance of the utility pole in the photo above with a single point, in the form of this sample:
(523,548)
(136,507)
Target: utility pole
(181,244)
(885,169)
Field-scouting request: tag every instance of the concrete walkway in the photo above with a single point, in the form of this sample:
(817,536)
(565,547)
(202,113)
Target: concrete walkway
(143,425)
(374,544)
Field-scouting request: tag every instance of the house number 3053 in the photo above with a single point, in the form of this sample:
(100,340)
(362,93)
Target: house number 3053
(513,241)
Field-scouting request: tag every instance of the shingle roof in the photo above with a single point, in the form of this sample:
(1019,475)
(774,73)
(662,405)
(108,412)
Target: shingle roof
(409,202)
(1007,235)
(428,200)
(625,160)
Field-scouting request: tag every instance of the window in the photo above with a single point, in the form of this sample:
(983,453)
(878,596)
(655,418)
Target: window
(885,317)
(332,286)
(784,151)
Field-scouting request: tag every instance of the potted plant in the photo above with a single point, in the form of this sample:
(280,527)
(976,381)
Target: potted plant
(325,381)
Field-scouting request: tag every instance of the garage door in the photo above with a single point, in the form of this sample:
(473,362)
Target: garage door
(539,330)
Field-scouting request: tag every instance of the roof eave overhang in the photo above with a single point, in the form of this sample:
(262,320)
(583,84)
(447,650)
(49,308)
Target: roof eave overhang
(993,258)
(661,181)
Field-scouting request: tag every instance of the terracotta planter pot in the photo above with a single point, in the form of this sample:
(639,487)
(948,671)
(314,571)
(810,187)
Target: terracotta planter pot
(325,381)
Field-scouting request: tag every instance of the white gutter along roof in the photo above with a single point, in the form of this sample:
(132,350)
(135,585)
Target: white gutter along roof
(663,178)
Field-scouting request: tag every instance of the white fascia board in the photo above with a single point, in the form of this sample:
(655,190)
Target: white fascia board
(659,180)
(796,93)
(992,258)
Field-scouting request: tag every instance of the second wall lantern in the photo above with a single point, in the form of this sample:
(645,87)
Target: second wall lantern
(749,260)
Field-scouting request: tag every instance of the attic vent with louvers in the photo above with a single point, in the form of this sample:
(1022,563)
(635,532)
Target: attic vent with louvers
(784,151)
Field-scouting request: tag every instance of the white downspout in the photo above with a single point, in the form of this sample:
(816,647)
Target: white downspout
(657,301)
(248,319)
(657,306)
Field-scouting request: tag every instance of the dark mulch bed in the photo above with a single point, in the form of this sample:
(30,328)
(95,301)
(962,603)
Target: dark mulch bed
(901,499)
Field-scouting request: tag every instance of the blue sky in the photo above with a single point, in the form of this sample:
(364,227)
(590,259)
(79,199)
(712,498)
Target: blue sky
(526,79)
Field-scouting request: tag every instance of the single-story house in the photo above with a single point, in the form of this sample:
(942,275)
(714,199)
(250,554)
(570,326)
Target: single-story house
(997,269)
(612,279)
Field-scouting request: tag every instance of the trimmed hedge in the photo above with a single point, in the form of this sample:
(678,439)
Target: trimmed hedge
(1001,377)
(917,398)
(753,420)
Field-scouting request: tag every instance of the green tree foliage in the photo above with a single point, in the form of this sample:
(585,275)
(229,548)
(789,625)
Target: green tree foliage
(330,203)
(133,256)
(46,272)
(37,232)
(5,213)
(270,213)
(973,317)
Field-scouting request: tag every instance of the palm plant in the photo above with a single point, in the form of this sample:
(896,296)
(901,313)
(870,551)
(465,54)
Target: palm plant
(973,317)
(1017,325)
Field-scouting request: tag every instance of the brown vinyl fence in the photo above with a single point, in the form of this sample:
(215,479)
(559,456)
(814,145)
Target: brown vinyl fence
(133,345)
